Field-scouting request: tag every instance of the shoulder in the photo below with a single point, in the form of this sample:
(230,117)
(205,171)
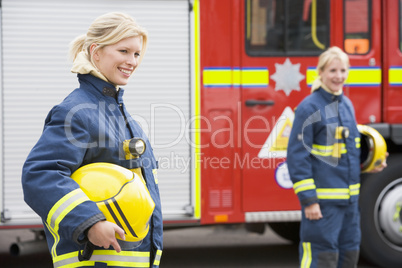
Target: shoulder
(349,106)
(347,101)
(309,104)
(76,105)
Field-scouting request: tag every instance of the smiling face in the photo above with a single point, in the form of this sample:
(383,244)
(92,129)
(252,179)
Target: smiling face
(118,61)
(334,75)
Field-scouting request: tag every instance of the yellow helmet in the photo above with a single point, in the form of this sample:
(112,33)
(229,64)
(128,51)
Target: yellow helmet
(373,148)
(122,197)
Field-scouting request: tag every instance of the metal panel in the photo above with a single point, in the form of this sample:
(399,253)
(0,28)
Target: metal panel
(273,216)
(36,72)
(1,121)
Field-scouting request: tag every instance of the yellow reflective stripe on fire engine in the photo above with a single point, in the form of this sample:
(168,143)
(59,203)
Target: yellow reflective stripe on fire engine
(158,257)
(358,142)
(250,77)
(338,193)
(217,77)
(196,72)
(329,150)
(358,76)
(110,257)
(395,76)
(228,77)
(311,75)
(60,210)
(304,185)
(364,76)
(307,255)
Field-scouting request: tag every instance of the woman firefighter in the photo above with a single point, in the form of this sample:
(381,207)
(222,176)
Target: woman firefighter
(324,165)
(91,132)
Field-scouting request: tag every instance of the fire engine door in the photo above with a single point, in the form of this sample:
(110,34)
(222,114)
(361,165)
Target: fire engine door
(392,53)
(361,39)
(372,38)
(273,82)
(266,125)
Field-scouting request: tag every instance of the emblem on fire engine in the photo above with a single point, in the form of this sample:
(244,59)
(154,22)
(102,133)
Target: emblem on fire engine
(277,142)
(287,76)
(282,176)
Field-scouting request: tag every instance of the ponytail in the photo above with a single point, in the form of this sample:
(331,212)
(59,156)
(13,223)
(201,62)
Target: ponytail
(76,46)
(316,84)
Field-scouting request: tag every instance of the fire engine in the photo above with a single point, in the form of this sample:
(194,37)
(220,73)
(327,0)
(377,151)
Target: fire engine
(216,94)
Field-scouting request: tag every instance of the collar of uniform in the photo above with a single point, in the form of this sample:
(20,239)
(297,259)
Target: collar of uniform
(104,87)
(329,96)
(337,93)
(109,91)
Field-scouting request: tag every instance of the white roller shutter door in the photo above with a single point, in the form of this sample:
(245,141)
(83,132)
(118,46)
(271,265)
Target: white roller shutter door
(36,75)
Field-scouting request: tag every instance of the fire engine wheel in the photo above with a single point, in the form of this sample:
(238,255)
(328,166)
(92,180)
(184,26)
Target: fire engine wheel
(287,230)
(381,202)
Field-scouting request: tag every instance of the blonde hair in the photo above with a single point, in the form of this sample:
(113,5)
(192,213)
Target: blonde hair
(108,29)
(325,58)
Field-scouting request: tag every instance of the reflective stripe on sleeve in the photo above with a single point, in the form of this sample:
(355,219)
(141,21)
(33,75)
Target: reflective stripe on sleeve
(60,210)
(304,185)
(64,206)
(354,189)
(158,257)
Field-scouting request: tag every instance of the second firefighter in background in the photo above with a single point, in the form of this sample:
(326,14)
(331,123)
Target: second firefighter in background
(324,164)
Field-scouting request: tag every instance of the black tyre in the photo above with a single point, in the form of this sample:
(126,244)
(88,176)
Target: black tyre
(380,203)
(287,230)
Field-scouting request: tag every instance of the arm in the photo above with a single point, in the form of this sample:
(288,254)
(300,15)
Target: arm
(299,157)
(48,188)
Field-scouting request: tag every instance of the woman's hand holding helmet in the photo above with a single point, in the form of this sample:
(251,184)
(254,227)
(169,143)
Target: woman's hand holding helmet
(102,234)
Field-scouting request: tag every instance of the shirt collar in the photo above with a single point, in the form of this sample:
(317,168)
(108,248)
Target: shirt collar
(329,96)
(104,87)
(337,93)
(83,65)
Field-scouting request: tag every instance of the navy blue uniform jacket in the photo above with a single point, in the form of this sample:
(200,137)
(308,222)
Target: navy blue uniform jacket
(88,126)
(323,153)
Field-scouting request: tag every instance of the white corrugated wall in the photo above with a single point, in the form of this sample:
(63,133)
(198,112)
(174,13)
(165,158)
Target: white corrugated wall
(36,75)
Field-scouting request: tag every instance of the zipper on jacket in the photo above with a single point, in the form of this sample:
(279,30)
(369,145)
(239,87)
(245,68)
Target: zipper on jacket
(125,120)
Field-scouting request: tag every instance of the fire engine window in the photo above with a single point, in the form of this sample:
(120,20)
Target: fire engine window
(287,27)
(400,25)
(357,26)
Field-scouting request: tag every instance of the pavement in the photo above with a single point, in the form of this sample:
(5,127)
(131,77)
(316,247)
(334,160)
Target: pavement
(204,246)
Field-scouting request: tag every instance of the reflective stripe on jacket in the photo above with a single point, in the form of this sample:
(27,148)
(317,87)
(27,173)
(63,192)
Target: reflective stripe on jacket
(110,257)
(89,126)
(324,150)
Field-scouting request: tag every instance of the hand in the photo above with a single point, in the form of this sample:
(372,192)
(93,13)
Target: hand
(383,165)
(102,234)
(313,212)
